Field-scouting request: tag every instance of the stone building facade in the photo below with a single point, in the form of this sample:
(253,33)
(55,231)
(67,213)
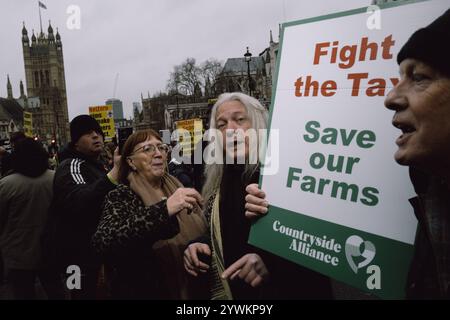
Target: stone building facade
(234,76)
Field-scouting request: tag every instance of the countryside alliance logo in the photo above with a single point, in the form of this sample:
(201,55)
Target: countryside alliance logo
(359,253)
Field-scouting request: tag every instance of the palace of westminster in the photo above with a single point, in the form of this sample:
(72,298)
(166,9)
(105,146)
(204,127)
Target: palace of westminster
(45,96)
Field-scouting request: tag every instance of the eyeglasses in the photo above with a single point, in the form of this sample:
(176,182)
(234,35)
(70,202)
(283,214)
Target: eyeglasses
(150,149)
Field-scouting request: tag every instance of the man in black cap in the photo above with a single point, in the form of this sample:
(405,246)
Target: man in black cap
(80,187)
(421,101)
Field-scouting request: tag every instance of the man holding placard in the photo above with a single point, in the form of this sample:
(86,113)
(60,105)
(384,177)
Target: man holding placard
(421,101)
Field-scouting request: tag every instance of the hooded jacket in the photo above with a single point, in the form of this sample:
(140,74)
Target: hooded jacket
(80,187)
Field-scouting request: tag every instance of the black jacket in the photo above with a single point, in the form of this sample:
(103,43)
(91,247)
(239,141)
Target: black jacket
(80,187)
(430,266)
(287,280)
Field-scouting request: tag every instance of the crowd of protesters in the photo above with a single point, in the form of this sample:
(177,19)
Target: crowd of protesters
(135,226)
(132,229)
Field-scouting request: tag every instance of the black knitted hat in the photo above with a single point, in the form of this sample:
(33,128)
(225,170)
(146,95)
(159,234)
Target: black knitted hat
(83,124)
(430,45)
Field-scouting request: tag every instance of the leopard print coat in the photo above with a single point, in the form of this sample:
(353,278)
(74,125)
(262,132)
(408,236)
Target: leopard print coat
(125,219)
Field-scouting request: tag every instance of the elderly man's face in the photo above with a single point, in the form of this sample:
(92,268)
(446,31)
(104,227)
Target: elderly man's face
(231,118)
(421,101)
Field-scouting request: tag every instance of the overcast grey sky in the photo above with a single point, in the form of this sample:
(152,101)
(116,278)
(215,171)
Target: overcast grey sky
(143,39)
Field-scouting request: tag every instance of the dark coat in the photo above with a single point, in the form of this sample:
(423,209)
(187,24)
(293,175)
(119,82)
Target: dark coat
(429,274)
(80,187)
(287,280)
(124,237)
(24,203)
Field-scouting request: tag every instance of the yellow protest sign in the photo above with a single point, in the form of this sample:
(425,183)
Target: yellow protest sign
(28,123)
(212,101)
(104,116)
(190,133)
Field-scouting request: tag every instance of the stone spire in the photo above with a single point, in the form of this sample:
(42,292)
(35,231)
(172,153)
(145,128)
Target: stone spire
(9,89)
(22,91)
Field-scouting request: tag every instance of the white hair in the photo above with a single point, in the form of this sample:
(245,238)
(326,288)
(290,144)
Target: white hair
(258,116)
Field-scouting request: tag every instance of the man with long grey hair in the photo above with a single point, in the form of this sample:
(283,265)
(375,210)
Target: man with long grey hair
(236,269)
(234,138)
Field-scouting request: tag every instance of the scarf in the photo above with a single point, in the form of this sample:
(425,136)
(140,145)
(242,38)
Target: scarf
(169,253)
(219,288)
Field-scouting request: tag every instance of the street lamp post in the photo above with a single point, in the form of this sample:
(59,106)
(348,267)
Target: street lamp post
(248,58)
(176,97)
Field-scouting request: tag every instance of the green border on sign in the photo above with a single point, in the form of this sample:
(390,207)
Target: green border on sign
(391,266)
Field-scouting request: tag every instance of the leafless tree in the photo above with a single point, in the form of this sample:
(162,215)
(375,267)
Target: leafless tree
(185,77)
(210,70)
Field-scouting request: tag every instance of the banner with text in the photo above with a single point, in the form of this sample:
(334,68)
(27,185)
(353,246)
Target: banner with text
(104,116)
(339,204)
(28,123)
(190,132)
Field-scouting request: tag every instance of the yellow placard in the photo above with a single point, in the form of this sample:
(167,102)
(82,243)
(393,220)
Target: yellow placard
(28,123)
(212,101)
(104,116)
(195,129)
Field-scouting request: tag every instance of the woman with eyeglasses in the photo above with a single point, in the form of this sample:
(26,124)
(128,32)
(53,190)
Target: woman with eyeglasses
(147,222)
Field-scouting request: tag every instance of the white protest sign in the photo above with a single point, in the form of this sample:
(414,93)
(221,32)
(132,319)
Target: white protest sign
(339,203)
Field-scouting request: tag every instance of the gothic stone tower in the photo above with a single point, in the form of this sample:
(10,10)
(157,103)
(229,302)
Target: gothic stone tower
(45,78)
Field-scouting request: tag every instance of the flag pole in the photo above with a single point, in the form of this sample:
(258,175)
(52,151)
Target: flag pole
(40,19)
